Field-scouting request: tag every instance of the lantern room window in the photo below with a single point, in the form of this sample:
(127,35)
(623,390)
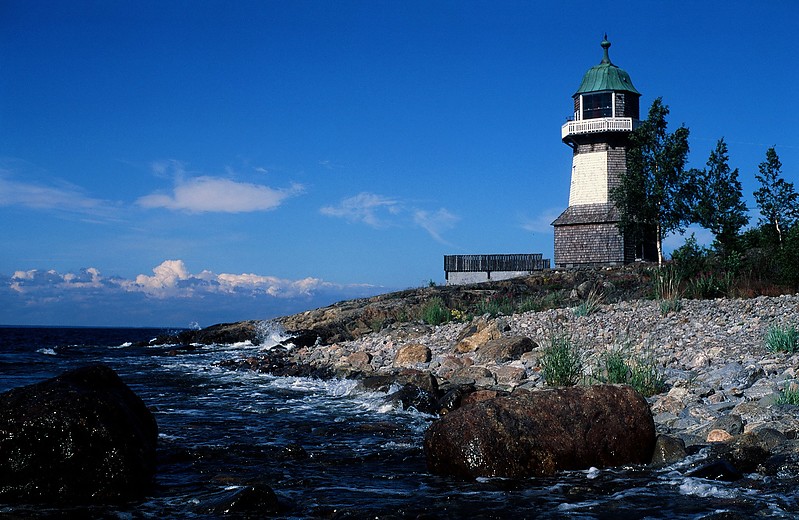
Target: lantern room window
(597,105)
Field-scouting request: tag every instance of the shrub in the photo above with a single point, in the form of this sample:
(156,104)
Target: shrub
(690,259)
(562,362)
(782,339)
(434,312)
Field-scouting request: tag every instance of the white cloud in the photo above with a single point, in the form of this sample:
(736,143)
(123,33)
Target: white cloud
(542,223)
(216,194)
(435,223)
(369,208)
(379,211)
(60,196)
(172,279)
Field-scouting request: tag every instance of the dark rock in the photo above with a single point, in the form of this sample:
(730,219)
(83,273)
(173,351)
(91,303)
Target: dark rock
(504,349)
(732,424)
(422,379)
(411,396)
(453,397)
(377,382)
(539,433)
(717,470)
(668,449)
(83,436)
(222,333)
(482,395)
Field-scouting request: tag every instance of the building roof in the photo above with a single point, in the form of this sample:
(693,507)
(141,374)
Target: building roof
(606,76)
(600,213)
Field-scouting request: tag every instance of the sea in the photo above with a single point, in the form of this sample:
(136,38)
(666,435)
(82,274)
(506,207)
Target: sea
(330,450)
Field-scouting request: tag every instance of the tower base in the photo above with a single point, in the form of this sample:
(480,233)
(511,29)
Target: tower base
(587,235)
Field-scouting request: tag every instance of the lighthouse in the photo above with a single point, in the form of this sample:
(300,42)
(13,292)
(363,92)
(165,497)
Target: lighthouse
(606,111)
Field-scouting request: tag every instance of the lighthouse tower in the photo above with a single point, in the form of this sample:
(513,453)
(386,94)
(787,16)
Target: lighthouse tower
(605,112)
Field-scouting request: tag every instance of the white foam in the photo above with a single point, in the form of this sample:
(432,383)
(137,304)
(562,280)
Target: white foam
(47,352)
(702,488)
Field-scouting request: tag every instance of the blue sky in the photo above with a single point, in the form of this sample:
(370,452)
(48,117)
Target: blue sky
(173,162)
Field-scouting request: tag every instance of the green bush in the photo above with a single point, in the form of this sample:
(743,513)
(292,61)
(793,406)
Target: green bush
(562,362)
(496,305)
(690,259)
(782,339)
(434,312)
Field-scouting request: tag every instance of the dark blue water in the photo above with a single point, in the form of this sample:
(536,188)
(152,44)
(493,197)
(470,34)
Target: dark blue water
(329,450)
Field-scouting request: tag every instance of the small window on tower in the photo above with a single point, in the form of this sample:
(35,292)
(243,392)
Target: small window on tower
(597,105)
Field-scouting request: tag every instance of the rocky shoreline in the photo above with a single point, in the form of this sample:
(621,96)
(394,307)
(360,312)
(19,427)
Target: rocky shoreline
(721,383)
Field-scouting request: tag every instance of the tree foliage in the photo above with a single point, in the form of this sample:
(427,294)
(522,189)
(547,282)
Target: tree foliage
(776,198)
(719,204)
(654,195)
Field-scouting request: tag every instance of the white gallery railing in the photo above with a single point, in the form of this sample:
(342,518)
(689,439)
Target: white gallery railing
(605,124)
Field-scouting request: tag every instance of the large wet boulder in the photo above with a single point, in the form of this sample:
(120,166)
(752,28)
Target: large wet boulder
(541,432)
(81,437)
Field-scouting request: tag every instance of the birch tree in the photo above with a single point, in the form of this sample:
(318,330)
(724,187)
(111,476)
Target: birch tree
(776,198)
(655,195)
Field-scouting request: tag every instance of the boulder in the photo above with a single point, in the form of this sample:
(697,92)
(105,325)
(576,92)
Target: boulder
(539,433)
(668,449)
(477,334)
(411,355)
(504,349)
(81,437)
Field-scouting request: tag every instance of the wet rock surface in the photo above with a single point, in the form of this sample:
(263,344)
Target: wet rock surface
(539,433)
(81,437)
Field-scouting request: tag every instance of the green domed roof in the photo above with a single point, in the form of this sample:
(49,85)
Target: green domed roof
(606,76)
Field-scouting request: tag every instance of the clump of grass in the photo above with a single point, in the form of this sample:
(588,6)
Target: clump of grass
(550,300)
(667,289)
(620,366)
(646,377)
(782,339)
(669,306)
(789,394)
(711,285)
(434,312)
(590,305)
(496,305)
(562,362)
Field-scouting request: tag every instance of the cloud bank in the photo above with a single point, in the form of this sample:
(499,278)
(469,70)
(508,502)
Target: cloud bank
(172,294)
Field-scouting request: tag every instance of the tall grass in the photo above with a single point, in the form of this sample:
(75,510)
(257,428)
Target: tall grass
(562,362)
(667,288)
(590,305)
(782,339)
(621,366)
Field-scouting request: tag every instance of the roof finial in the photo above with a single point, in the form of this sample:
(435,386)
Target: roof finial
(605,45)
